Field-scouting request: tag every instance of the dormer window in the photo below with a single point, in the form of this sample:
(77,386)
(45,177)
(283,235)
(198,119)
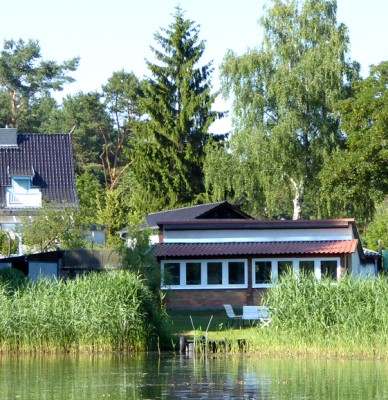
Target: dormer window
(22,194)
(21,184)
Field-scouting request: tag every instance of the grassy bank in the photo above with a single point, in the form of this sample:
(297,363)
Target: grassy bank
(344,319)
(117,312)
(99,312)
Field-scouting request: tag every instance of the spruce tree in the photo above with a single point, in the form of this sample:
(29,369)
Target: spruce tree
(168,146)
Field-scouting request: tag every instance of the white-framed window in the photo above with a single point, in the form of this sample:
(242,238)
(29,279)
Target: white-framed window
(266,271)
(262,273)
(204,274)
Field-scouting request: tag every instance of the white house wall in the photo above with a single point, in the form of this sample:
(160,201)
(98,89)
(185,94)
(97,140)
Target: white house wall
(255,235)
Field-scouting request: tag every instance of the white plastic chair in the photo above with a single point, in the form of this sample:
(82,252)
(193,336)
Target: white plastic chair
(231,314)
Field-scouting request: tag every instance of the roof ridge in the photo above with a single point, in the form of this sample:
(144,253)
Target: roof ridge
(43,134)
(184,208)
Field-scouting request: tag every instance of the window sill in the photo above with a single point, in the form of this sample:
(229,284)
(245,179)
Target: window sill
(209,287)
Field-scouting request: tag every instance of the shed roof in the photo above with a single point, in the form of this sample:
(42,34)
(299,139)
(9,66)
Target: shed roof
(210,212)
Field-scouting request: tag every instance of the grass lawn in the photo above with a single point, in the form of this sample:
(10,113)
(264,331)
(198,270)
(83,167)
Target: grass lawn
(180,324)
(216,323)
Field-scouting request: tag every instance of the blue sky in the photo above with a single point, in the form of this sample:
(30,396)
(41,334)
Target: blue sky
(111,35)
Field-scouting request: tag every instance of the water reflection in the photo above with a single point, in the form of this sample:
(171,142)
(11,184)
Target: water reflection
(169,377)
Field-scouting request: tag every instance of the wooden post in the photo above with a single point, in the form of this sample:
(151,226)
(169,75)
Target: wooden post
(182,344)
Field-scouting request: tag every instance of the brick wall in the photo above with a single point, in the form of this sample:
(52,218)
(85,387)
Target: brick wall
(211,298)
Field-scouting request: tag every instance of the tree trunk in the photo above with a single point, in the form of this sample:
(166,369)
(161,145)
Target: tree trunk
(298,198)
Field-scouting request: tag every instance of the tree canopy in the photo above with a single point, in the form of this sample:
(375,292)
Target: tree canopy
(52,228)
(24,76)
(284,93)
(355,178)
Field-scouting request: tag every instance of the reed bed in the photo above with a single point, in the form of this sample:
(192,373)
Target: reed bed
(344,319)
(351,309)
(112,311)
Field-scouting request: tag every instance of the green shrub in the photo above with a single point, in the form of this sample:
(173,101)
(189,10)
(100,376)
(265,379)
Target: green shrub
(12,279)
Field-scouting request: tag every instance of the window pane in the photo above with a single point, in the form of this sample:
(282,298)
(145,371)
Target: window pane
(236,273)
(193,273)
(306,267)
(21,185)
(214,273)
(172,274)
(329,269)
(284,267)
(263,271)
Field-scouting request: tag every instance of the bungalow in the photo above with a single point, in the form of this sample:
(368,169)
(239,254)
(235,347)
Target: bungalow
(208,262)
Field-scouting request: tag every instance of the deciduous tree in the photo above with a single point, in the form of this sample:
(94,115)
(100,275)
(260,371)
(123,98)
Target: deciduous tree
(355,178)
(377,229)
(284,93)
(121,94)
(52,228)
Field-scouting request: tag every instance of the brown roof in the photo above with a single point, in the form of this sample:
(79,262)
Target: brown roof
(326,247)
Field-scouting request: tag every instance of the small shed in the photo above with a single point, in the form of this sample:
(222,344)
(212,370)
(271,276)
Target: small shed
(63,263)
(35,265)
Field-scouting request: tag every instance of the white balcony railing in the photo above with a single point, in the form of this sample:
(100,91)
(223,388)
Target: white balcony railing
(32,198)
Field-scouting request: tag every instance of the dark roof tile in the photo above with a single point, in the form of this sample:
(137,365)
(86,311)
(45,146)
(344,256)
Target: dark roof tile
(49,157)
(327,247)
(210,211)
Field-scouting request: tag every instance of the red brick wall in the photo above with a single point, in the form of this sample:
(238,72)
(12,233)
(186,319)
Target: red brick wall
(212,298)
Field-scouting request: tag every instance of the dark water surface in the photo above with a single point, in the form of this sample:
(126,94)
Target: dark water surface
(167,377)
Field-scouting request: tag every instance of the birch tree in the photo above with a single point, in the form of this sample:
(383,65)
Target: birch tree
(283,95)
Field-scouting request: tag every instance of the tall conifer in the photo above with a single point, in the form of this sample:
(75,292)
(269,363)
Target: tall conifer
(168,146)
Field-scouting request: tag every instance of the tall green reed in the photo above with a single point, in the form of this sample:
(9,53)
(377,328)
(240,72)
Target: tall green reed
(347,315)
(112,311)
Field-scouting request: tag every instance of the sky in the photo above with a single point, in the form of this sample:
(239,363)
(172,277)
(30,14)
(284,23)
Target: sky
(114,35)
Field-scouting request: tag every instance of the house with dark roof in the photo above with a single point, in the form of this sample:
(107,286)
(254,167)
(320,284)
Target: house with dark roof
(207,262)
(211,211)
(34,168)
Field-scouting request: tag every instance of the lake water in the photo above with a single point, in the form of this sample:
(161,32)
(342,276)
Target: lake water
(178,377)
